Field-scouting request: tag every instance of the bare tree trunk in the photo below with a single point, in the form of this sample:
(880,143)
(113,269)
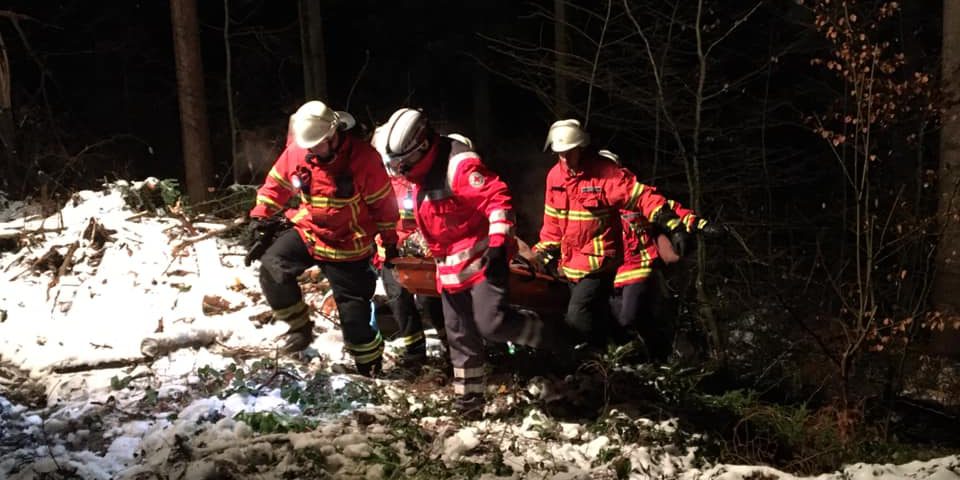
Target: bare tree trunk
(562,48)
(313,51)
(947,277)
(8,139)
(231,114)
(193,106)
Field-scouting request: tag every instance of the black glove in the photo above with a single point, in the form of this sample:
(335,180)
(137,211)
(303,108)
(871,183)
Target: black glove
(678,240)
(262,233)
(547,260)
(711,229)
(497,268)
(390,253)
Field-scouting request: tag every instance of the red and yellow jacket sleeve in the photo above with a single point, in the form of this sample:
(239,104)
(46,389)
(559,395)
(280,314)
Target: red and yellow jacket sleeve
(551,232)
(277,189)
(483,188)
(380,199)
(690,220)
(631,195)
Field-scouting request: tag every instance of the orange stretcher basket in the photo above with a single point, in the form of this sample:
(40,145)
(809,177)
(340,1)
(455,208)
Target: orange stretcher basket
(541,293)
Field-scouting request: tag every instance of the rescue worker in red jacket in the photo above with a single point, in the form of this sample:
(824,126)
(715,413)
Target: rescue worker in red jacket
(585,195)
(635,288)
(403,303)
(464,212)
(345,199)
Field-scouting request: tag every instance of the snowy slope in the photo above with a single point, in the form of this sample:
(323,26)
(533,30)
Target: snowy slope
(102,409)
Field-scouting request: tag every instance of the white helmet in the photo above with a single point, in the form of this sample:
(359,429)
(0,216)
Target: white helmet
(379,142)
(566,135)
(461,138)
(406,138)
(609,155)
(315,122)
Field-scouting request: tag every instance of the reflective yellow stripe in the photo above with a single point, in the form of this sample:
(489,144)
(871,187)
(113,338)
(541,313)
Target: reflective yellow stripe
(540,246)
(597,256)
(265,200)
(554,212)
(364,347)
(573,273)
(331,202)
(369,357)
(300,215)
(634,196)
(279,178)
(291,311)
(378,195)
(633,274)
(336,254)
(386,225)
(406,215)
(407,341)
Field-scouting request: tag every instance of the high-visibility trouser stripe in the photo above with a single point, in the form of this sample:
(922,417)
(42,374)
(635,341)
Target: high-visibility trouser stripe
(417,337)
(465,388)
(532,333)
(368,357)
(469,372)
(296,315)
(463,255)
(367,352)
(689,220)
(701,223)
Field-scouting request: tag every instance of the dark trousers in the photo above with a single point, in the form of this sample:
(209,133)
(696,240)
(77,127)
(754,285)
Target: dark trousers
(482,312)
(634,306)
(353,284)
(588,312)
(407,315)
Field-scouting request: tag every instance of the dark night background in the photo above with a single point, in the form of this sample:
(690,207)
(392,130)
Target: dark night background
(95,97)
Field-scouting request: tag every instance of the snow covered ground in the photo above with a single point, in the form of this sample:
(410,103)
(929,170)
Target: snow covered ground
(130,365)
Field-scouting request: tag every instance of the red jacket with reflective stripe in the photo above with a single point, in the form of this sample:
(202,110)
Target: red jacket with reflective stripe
(343,204)
(461,209)
(582,212)
(403,190)
(639,244)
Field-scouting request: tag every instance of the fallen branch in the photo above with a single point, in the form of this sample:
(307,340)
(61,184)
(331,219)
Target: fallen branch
(65,265)
(212,233)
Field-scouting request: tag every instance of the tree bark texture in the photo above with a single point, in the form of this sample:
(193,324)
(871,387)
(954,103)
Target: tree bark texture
(193,106)
(946,286)
(8,141)
(313,51)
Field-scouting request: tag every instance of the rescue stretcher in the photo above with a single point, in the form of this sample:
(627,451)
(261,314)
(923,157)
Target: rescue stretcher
(541,293)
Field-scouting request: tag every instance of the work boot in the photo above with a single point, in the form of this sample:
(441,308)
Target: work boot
(408,367)
(371,369)
(296,340)
(299,334)
(470,406)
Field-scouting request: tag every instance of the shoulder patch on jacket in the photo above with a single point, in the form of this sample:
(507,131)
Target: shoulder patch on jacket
(477,180)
